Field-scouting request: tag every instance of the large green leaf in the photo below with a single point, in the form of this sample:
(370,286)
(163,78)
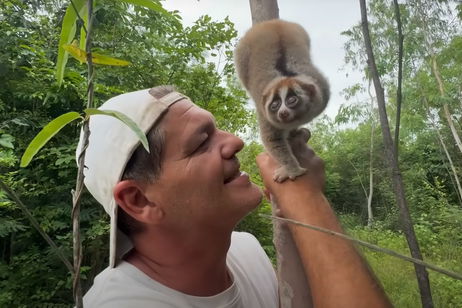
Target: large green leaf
(68,29)
(125,119)
(83,34)
(46,134)
(150,4)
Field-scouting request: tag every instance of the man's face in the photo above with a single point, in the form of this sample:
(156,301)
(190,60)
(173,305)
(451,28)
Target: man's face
(200,182)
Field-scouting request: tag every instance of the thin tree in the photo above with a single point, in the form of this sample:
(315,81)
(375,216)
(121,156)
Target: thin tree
(262,10)
(446,152)
(370,214)
(76,195)
(399,93)
(398,186)
(294,290)
(436,71)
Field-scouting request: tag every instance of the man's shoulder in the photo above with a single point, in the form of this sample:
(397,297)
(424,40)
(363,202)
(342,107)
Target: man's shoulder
(252,270)
(246,252)
(244,243)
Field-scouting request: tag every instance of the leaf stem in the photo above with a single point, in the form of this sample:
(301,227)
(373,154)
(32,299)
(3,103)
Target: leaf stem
(77,288)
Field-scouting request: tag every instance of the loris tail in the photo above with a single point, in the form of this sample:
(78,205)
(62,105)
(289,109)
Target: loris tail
(274,64)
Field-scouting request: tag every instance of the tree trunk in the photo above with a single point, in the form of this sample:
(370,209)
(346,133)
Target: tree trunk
(262,10)
(370,216)
(451,164)
(399,94)
(460,95)
(368,196)
(294,290)
(398,186)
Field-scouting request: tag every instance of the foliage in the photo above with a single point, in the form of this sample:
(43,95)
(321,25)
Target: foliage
(161,51)
(397,276)
(429,181)
(198,60)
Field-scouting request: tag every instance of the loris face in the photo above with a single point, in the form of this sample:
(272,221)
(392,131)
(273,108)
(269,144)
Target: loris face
(292,101)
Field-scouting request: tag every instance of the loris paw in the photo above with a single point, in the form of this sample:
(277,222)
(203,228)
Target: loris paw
(302,133)
(281,174)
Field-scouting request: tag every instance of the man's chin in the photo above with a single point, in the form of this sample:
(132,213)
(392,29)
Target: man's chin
(254,198)
(246,197)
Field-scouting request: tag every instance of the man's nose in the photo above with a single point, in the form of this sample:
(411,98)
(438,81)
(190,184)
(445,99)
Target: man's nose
(231,145)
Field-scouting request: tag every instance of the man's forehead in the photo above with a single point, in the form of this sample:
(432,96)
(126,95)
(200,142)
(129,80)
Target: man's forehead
(183,122)
(184,119)
(186,110)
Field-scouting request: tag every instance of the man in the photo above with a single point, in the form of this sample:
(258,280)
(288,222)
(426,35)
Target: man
(178,205)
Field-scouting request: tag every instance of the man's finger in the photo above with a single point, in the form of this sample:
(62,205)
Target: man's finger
(264,160)
(267,165)
(261,158)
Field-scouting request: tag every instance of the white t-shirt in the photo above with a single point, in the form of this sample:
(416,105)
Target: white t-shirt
(254,284)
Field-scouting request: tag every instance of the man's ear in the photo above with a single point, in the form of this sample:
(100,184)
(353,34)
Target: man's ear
(129,195)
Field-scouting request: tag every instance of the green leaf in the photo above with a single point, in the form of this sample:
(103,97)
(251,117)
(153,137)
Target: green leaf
(150,4)
(76,52)
(68,29)
(125,119)
(6,141)
(83,34)
(83,39)
(106,60)
(80,54)
(46,134)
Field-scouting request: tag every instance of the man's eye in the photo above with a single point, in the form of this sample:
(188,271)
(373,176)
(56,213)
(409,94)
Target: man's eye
(201,146)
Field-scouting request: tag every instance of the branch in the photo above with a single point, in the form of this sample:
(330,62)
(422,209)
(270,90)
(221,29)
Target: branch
(13,196)
(369,245)
(359,177)
(398,185)
(77,288)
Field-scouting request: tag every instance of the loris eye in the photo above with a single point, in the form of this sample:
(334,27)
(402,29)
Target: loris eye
(274,105)
(292,101)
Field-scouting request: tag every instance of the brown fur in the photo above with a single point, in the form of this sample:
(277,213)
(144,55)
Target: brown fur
(272,57)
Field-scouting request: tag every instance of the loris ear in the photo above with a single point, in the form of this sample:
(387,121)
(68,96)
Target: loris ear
(308,84)
(309,88)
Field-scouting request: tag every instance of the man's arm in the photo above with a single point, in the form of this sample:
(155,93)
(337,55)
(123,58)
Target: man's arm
(337,274)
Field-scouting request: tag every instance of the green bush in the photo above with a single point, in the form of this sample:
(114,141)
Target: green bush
(398,277)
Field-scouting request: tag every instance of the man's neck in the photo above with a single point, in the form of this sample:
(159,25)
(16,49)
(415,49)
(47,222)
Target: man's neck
(193,264)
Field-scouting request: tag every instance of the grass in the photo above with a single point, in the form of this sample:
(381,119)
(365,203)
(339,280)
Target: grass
(398,276)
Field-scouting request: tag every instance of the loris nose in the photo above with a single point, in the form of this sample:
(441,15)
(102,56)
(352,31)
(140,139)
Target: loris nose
(284,114)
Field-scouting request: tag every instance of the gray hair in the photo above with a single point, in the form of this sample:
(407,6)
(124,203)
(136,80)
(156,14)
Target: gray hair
(143,166)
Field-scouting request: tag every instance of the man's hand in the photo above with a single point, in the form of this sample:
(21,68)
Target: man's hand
(312,182)
(337,274)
